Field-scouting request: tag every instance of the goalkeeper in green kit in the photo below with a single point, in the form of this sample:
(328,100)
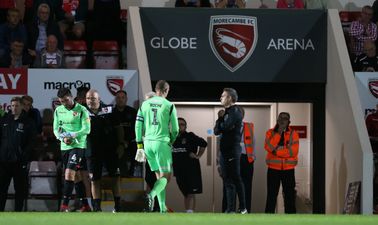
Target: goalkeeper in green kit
(157,127)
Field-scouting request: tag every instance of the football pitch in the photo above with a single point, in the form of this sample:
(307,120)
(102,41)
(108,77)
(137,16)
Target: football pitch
(33,218)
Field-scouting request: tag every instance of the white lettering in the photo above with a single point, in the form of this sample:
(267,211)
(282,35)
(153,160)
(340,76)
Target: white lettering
(193,43)
(281,43)
(272,44)
(310,45)
(3,82)
(300,44)
(155,42)
(14,80)
(291,44)
(174,43)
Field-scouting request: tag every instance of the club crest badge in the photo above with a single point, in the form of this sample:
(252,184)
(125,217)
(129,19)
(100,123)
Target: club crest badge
(373,87)
(114,84)
(233,39)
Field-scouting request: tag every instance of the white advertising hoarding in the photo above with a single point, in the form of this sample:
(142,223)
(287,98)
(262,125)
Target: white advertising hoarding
(43,85)
(367,85)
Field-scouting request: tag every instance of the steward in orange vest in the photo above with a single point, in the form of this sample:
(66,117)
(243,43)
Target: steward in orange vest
(247,159)
(282,156)
(248,138)
(281,144)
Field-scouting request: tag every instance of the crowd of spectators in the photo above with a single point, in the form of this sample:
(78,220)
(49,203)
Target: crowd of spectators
(40,28)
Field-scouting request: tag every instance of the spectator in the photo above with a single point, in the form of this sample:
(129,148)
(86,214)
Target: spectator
(362,30)
(290,4)
(193,3)
(17,58)
(56,10)
(32,112)
(230,3)
(367,62)
(72,26)
(10,4)
(11,30)
(40,28)
(316,4)
(17,133)
(51,56)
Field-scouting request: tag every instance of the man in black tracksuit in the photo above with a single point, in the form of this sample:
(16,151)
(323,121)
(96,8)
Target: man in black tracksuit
(186,152)
(17,132)
(101,150)
(229,126)
(124,118)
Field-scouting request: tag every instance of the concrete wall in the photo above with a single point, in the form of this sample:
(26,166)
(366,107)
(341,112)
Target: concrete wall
(136,51)
(348,153)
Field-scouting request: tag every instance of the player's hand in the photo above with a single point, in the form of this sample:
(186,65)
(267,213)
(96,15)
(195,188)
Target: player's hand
(67,140)
(140,156)
(192,155)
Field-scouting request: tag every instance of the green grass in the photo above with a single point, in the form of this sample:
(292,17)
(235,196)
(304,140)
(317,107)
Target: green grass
(180,219)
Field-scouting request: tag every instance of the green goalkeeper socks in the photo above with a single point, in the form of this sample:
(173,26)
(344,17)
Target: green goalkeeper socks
(161,199)
(160,185)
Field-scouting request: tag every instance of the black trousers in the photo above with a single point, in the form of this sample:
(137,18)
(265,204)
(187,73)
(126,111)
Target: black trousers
(19,173)
(230,167)
(246,172)
(274,179)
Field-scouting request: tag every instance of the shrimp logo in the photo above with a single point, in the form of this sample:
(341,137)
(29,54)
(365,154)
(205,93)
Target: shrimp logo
(373,87)
(114,84)
(233,39)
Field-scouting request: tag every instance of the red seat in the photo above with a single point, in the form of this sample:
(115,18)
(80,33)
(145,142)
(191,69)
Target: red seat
(123,15)
(347,17)
(105,55)
(75,54)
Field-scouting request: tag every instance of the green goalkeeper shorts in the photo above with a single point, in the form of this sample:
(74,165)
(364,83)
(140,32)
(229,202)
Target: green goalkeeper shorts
(159,155)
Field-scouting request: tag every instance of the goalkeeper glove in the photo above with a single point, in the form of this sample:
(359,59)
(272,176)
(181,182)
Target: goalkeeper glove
(140,156)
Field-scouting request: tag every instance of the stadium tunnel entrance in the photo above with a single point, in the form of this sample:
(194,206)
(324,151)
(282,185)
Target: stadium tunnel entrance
(198,103)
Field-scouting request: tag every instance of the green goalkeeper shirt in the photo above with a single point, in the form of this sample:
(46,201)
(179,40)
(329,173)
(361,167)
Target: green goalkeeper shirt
(75,120)
(156,121)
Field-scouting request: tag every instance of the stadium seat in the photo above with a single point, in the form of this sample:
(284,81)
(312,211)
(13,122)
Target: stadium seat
(43,186)
(347,17)
(105,55)
(75,54)
(123,15)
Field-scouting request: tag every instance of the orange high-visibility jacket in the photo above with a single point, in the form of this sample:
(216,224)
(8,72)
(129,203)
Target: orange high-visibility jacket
(282,157)
(248,134)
